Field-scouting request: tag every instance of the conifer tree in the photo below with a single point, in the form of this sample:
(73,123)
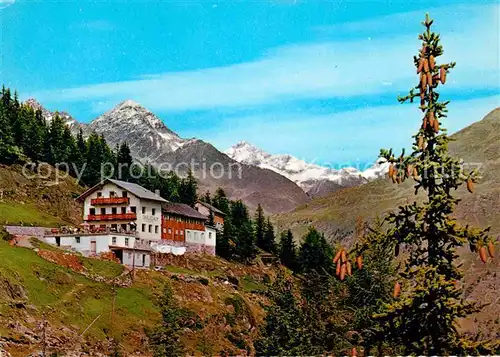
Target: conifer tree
(286,330)
(221,202)
(269,243)
(6,136)
(287,250)
(188,188)
(243,237)
(211,221)
(422,319)
(207,198)
(315,253)
(55,148)
(124,162)
(260,226)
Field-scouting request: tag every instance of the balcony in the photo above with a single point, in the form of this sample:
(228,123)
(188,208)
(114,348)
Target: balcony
(109,201)
(112,217)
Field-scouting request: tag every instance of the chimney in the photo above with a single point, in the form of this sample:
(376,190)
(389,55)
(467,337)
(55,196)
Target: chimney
(157,192)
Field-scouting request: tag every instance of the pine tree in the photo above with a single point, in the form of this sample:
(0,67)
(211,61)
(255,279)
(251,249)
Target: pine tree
(6,136)
(225,245)
(260,226)
(94,159)
(221,202)
(244,238)
(211,221)
(54,144)
(207,198)
(269,243)
(81,151)
(287,250)
(124,162)
(422,320)
(187,190)
(315,253)
(286,330)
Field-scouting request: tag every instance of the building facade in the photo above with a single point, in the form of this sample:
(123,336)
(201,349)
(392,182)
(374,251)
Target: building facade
(123,207)
(127,247)
(184,226)
(131,222)
(205,209)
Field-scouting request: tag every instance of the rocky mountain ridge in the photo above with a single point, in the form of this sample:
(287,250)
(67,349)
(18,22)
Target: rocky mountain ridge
(315,180)
(151,141)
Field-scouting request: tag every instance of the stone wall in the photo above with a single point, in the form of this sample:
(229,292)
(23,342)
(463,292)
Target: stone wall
(37,232)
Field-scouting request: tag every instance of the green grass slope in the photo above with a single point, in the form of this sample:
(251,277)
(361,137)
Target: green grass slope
(39,200)
(79,310)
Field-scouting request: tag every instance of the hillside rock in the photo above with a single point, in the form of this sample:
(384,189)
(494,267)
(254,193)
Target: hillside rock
(48,115)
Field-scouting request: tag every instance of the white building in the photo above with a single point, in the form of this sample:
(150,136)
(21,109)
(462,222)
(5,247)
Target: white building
(118,216)
(127,247)
(123,207)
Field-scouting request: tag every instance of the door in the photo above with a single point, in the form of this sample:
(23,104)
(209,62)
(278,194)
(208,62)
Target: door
(144,260)
(93,247)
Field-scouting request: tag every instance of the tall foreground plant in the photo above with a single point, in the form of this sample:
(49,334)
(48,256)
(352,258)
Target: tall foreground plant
(422,317)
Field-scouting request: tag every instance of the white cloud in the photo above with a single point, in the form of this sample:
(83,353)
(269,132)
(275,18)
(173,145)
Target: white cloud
(6,3)
(311,70)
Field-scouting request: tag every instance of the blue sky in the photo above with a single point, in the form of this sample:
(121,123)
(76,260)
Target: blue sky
(316,79)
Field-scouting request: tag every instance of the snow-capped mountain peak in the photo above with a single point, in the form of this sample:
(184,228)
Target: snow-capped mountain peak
(128,120)
(48,115)
(313,179)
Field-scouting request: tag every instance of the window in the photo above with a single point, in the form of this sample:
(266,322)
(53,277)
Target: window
(114,227)
(124,227)
(153,211)
(164,230)
(126,242)
(143,210)
(129,256)
(113,240)
(150,228)
(124,210)
(112,193)
(143,227)
(103,210)
(124,193)
(156,229)
(99,194)
(176,231)
(209,235)
(77,240)
(132,209)
(92,211)
(169,230)
(182,232)
(113,210)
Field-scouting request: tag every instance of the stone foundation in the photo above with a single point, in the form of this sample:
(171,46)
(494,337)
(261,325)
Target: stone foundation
(37,232)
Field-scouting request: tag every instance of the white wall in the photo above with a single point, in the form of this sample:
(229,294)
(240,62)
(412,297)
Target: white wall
(210,236)
(206,237)
(147,218)
(103,242)
(128,258)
